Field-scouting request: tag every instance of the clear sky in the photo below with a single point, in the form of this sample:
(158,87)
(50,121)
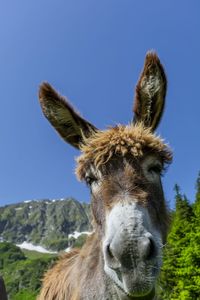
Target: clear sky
(92,52)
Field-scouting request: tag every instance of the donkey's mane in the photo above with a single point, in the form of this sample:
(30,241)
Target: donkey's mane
(133,139)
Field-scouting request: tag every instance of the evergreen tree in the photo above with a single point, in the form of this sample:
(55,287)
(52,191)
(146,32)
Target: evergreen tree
(192,253)
(175,276)
(197,200)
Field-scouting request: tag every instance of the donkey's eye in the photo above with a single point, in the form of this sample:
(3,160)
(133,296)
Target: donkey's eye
(90,180)
(155,169)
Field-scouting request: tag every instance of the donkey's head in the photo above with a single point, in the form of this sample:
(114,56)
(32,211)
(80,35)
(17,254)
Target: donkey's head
(122,167)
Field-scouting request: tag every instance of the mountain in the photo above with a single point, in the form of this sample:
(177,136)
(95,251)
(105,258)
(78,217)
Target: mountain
(52,225)
(48,223)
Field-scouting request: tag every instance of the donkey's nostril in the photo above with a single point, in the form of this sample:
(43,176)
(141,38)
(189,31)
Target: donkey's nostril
(109,252)
(148,250)
(111,259)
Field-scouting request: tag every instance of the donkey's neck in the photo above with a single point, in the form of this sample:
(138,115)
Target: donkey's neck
(93,280)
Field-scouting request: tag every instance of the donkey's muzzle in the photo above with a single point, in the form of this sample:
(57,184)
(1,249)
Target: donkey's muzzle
(131,249)
(125,254)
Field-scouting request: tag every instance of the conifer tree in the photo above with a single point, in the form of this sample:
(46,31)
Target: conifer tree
(174,286)
(192,253)
(197,199)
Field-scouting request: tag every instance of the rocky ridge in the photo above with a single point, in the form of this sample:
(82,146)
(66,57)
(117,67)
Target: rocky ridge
(47,223)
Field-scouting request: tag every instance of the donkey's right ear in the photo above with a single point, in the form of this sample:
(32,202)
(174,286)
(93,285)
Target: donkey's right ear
(68,123)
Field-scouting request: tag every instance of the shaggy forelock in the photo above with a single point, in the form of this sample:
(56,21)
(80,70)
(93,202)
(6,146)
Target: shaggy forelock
(135,140)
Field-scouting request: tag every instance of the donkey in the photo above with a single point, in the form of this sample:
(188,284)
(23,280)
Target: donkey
(122,167)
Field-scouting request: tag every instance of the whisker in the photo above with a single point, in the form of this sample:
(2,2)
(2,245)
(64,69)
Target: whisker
(163,246)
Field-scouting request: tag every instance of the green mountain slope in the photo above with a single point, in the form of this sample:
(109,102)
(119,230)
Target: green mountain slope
(47,223)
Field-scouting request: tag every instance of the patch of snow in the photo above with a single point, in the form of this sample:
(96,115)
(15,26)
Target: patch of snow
(30,246)
(30,207)
(54,200)
(68,249)
(18,208)
(27,201)
(76,234)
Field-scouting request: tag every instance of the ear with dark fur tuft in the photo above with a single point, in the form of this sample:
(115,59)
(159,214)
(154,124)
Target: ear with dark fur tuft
(68,123)
(150,92)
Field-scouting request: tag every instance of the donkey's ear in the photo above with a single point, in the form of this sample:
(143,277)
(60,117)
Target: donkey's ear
(150,92)
(63,117)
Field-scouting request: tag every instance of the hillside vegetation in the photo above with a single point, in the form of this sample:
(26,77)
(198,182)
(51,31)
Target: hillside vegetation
(22,272)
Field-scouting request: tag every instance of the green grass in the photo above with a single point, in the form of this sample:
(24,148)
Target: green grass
(23,270)
(25,295)
(30,254)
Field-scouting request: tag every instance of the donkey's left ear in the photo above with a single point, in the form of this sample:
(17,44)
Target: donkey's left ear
(150,93)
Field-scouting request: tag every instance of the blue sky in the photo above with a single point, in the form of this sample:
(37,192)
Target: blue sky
(92,52)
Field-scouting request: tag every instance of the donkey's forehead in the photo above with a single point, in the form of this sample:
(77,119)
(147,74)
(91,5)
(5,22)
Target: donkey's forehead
(134,140)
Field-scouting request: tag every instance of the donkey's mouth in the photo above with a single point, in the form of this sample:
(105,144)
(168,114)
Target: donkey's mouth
(149,296)
(128,285)
(137,295)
